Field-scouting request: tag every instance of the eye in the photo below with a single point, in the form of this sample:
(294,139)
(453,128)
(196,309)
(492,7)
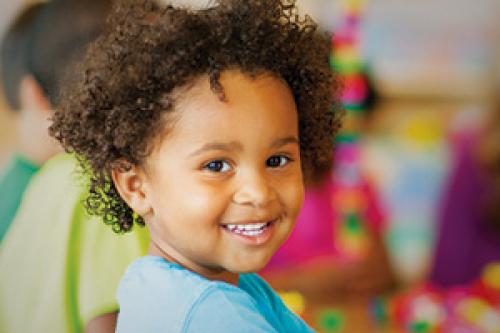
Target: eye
(277,161)
(217,166)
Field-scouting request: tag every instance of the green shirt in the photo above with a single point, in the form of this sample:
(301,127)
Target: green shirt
(59,268)
(13,183)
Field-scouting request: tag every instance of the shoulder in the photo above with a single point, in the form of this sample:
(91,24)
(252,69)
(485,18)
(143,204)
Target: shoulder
(48,200)
(60,175)
(225,308)
(155,296)
(159,280)
(253,307)
(61,166)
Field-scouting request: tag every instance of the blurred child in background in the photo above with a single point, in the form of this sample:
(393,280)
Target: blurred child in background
(469,219)
(59,268)
(24,96)
(36,56)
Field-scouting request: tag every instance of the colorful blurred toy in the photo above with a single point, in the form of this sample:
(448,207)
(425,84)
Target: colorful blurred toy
(480,314)
(330,320)
(349,198)
(490,281)
(294,301)
(473,308)
(350,202)
(379,311)
(421,310)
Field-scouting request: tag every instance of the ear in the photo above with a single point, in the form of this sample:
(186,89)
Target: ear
(31,95)
(131,185)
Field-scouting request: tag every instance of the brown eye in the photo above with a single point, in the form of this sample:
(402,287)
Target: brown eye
(217,166)
(277,161)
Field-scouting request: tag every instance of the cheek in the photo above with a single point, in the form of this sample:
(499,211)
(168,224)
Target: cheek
(197,202)
(293,197)
(298,198)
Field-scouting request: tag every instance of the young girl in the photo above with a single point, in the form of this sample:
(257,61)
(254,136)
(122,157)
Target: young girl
(203,125)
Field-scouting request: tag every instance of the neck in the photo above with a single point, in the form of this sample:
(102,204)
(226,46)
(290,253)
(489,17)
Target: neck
(34,142)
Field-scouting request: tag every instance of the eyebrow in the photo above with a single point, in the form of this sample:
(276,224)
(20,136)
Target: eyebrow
(234,145)
(222,146)
(285,141)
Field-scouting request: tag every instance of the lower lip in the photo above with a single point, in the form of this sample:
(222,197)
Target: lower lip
(257,239)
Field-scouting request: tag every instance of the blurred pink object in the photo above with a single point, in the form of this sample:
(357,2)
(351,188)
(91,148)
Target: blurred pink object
(314,235)
(356,89)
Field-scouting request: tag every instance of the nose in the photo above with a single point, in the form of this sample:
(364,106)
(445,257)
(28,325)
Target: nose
(254,189)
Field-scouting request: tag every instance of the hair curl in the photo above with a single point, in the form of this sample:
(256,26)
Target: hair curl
(112,115)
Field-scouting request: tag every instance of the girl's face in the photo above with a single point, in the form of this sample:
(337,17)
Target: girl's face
(224,187)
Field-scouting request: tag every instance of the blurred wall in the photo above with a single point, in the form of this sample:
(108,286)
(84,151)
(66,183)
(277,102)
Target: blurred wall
(446,48)
(429,48)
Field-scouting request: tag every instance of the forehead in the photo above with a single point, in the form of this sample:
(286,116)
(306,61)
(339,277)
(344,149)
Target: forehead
(264,103)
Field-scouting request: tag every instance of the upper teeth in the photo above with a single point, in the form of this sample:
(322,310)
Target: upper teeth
(246,227)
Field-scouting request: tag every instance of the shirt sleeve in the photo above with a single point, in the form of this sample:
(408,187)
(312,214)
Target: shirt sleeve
(226,310)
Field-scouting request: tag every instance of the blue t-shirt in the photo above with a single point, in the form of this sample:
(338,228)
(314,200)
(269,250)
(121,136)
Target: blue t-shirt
(159,296)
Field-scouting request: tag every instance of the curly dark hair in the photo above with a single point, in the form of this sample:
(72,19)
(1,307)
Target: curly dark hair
(112,115)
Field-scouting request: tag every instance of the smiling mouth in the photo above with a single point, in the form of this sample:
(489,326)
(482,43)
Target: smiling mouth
(250,229)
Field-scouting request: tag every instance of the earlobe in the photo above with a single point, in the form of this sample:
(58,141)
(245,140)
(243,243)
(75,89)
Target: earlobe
(130,184)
